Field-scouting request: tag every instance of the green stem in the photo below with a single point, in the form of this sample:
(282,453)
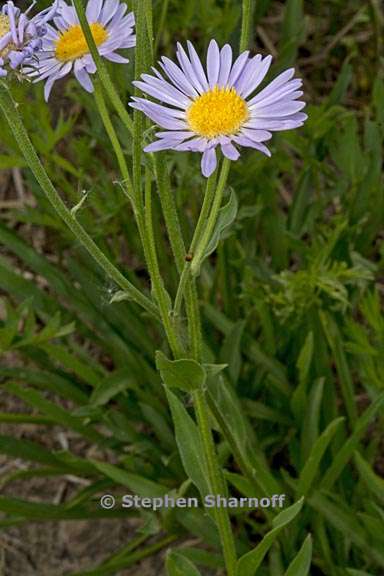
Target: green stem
(160,28)
(161,294)
(216,481)
(212,218)
(178,248)
(102,71)
(207,202)
(15,123)
(246,21)
(104,114)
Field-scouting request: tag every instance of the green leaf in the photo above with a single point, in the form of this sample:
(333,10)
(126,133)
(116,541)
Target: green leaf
(311,467)
(341,86)
(214,369)
(298,402)
(178,565)
(41,511)
(120,296)
(292,31)
(226,408)
(138,484)
(110,386)
(7,162)
(32,452)
(185,374)
(231,350)
(374,483)
(79,205)
(310,428)
(352,572)
(226,217)
(345,453)
(248,564)
(346,521)
(189,443)
(336,345)
(301,564)
(56,412)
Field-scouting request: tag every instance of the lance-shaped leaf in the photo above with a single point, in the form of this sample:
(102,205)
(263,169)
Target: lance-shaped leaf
(248,564)
(179,565)
(301,564)
(189,443)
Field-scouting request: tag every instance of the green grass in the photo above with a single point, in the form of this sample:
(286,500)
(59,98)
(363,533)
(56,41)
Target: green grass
(291,303)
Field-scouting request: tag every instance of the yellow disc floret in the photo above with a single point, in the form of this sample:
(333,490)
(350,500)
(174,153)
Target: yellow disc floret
(72,43)
(4,29)
(218,112)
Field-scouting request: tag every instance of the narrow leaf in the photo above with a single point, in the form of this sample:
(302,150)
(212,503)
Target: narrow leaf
(248,564)
(301,564)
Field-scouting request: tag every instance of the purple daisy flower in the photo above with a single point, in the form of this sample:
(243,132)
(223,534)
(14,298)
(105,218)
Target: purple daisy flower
(65,47)
(200,111)
(20,36)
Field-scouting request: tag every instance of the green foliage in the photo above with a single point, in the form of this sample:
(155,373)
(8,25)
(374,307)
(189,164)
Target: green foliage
(291,305)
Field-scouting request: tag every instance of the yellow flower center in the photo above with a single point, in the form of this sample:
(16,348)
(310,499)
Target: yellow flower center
(4,29)
(218,112)
(72,43)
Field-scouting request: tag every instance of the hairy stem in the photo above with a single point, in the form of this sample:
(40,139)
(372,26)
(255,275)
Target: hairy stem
(207,202)
(212,218)
(246,20)
(104,114)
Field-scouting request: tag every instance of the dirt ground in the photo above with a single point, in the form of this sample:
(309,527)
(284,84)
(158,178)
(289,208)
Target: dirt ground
(60,548)
(57,548)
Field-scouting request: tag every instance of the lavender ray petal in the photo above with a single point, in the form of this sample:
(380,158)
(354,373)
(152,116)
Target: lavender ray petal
(160,119)
(92,11)
(208,162)
(113,57)
(244,141)
(162,84)
(148,89)
(158,145)
(280,109)
(225,65)
(257,77)
(178,77)
(197,65)
(230,151)
(188,70)
(238,67)
(108,11)
(281,92)
(213,63)
(273,86)
(170,112)
(176,135)
(255,135)
(250,69)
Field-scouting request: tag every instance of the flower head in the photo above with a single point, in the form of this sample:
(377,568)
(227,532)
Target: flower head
(20,36)
(203,109)
(65,47)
